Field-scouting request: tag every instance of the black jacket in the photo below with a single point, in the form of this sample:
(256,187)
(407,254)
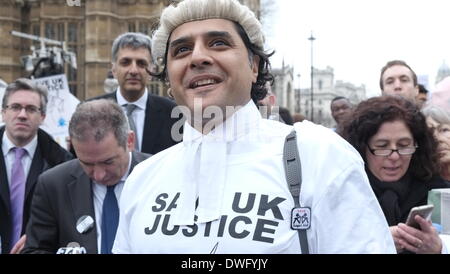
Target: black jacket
(397,198)
(64,194)
(158,122)
(48,154)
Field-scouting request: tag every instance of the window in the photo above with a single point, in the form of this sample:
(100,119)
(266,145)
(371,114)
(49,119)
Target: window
(60,36)
(131,27)
(67,31)
(55,31)
(72,73)
(154,87)
(50,31)
(72,45)
(72,32)
(143,28)
(36,30)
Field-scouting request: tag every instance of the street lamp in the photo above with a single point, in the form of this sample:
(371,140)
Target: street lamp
(312,38)
(298,107)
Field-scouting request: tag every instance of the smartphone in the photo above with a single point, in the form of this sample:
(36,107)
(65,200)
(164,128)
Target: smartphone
(424,211)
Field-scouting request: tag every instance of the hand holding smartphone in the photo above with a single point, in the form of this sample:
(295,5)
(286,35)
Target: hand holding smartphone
(424,211)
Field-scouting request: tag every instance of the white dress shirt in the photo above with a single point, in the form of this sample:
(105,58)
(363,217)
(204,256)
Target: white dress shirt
(226,192)
(99,192)
(9,155)
(138,114)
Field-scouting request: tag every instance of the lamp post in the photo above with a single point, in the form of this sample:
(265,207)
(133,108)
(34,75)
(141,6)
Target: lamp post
(312,38)
(298,107)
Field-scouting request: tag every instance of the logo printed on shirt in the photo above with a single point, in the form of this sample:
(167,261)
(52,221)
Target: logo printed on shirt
(242,226)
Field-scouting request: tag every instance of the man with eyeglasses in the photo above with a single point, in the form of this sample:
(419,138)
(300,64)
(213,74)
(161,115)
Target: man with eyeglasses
(26,151)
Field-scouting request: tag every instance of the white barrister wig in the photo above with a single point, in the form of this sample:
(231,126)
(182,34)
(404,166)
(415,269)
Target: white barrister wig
(196,10)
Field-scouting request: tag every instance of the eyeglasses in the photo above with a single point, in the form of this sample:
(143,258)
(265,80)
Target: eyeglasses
(387,151)
(30,109)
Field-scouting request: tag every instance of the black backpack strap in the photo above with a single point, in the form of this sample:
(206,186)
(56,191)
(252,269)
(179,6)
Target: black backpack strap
(293,170)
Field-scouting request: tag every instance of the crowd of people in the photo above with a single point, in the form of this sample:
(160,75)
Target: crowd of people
(235,173)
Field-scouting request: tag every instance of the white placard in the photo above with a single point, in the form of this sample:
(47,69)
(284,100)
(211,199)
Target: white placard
(61,105)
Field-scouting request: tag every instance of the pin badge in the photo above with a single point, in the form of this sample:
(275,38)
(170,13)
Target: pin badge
(301,218)
(84,224)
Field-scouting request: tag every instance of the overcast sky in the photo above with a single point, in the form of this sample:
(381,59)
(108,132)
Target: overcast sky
(357,37)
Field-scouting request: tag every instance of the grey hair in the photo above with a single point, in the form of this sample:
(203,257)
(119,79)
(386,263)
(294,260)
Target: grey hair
(438,114)
(196,10)
(29,85)
(96,118)
(132,40)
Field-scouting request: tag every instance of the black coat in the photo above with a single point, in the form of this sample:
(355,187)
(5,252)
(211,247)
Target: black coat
(64,194)
(158,122)
(397,198)
(48,154)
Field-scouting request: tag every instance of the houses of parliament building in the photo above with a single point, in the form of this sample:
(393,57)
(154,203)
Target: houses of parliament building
(88,28)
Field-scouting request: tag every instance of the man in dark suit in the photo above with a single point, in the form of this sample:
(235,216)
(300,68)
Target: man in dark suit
(149,115)
(72,200)
(25,152)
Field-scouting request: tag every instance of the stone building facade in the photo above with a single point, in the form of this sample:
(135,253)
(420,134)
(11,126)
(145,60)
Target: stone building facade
(325,88)
(283,87)
(88,29)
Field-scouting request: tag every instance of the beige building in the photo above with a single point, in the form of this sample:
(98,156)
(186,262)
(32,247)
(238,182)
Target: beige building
(87,26)
(283,87)
(325,88)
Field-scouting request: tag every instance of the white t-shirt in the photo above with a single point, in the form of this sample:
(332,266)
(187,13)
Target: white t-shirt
(246,204)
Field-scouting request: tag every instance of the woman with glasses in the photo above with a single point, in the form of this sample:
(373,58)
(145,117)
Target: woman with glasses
(400,155)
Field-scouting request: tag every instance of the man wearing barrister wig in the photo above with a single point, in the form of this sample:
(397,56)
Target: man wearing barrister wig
(224,189)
